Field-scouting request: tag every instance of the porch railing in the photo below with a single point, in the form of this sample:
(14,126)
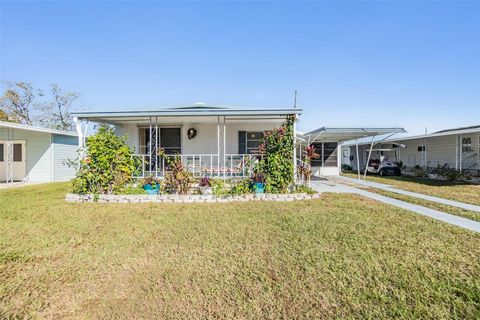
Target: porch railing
(200,165)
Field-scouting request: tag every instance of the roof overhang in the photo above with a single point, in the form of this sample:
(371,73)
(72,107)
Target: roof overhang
(4,124)
(203,112)
(346,134)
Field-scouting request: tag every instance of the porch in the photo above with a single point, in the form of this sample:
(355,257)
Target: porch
(209,141)
(200,165)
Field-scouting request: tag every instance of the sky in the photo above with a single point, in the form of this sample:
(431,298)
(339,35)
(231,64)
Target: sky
(413,64)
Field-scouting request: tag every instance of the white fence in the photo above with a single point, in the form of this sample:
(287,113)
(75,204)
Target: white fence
(200,165)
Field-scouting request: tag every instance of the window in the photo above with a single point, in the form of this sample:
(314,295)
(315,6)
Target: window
(253,139)
(17,152)
(170,139)
(421,149)
(327,154)
(2,152)
(467,145)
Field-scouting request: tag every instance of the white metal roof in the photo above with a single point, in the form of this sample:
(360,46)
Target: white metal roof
(346,134)
(189,111)
(37,129)
(447,132)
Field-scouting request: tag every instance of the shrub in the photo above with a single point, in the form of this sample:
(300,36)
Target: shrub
(450,174)
(240,187)
(277,162)
(258,177)
(346,167)
(108,164)
(177,177)
(218,187)
(132,189)
(205,182)
(419,172)
(305,169)
(303,188)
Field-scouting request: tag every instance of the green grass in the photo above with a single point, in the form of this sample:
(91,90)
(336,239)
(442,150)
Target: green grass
(472,215)
(458,191)
(341,256)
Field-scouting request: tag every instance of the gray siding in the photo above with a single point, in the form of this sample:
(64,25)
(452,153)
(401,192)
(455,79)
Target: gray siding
(38,153)
(440,150)
(64,149)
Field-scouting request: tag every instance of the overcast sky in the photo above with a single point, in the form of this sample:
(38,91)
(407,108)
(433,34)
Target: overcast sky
(410,64)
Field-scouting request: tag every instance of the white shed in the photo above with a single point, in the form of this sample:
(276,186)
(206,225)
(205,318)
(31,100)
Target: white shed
(34,154)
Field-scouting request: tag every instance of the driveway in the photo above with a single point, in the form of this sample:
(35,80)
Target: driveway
(333,185)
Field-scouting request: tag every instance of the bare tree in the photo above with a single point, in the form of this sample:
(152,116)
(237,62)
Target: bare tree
(59,109)
(19,102)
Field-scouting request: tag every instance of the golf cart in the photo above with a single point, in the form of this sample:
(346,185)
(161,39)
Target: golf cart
(383,166)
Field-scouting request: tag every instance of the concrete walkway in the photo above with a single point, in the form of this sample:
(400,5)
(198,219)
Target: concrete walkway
(390,188)
(329,186)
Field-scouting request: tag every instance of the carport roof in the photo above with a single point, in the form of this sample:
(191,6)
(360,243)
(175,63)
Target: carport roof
(346,134)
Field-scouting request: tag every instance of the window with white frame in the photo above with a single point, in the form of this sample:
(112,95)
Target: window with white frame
(467,145)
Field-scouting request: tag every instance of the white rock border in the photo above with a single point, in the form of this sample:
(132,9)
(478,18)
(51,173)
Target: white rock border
(172,198)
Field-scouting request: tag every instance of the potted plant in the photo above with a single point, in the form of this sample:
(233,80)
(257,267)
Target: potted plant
(258,181)
(205,185)
(151,185)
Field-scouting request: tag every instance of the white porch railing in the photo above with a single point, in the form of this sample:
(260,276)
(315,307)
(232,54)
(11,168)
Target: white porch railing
(200,165)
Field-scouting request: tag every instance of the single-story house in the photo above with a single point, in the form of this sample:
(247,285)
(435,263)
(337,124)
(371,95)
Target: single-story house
(211,141)
(33,154)
(459,148)
(217,141)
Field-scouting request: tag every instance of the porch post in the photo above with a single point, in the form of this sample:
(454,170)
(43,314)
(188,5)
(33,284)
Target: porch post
(78,127)
(218,145)
(456,152)
(156,147)
(460,151)
(150,148)
(368,159)
(358,160)
(294,150)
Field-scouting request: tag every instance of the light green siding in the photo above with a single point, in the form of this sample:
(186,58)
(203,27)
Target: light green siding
(38,153)
(64,149)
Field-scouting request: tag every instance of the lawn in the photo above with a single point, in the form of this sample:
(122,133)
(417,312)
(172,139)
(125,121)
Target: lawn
(340,256)
(458,191)
(472,215)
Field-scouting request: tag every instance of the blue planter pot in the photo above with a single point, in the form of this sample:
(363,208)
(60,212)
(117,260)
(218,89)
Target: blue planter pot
(151,192)
(147,187)
(259,187)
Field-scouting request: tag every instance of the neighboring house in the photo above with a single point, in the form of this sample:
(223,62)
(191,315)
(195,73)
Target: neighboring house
(212,141)
(328,142)
(458,147)
(33,154)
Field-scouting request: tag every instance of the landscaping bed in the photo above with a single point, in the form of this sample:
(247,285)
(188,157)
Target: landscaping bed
(192,198)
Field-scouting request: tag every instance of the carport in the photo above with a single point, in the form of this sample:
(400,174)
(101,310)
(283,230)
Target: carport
(327,142)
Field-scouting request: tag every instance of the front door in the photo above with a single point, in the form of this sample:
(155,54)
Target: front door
(13,164)
(171,140)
